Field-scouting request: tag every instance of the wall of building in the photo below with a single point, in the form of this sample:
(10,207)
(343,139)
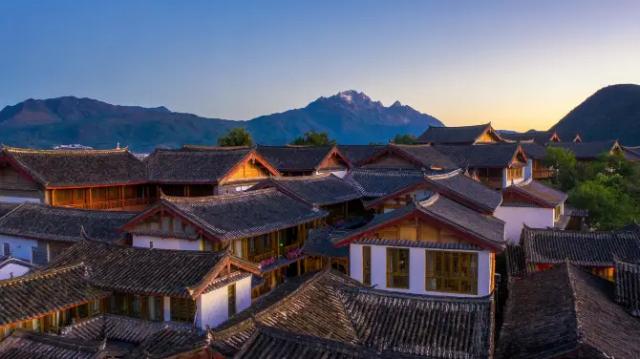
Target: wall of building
(30,197)
(20,247)
(516,217)
(417,270)
(12,270)
(144,241)
(213,307)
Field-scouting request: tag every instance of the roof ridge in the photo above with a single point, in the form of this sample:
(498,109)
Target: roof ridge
(219,197)
(64,151)
(84,211)
(571,279)
(46,273)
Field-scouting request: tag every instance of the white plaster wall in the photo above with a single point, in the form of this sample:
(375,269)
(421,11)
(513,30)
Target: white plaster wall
(213,307)
(340,173)
(20,247)
(417,270)
(12,268)
(142,241)
(20,199)
(516,217)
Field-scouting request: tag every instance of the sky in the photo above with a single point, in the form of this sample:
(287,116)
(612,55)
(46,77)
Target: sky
(519,64)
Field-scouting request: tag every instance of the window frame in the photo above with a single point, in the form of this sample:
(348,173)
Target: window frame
(396,274)
(442,280)
(366,265)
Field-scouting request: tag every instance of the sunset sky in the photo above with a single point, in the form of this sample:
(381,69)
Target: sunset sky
(518,64)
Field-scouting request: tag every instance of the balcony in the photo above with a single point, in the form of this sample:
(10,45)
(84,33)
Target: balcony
(259,257)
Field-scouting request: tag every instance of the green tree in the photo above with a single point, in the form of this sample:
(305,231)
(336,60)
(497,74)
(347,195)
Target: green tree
(564,162)
(405,139)
(313,138)
(236,137)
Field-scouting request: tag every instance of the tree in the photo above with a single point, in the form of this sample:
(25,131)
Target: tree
(313,138)
(564,162)
(405,139)
(236,137)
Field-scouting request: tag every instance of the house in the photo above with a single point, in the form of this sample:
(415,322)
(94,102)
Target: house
(413,249)
(205,171)
(537,154)
(37,233)
(590,151)
(533,136)
(92,179)
(293,160)
(356,154)
(201,288)
(540,249)
(565,312)
(631,153)
(462,135)
(454,185)
(414,157)
(496,165)
(14,267)
(328,315)
(264,227)
(326,191)
(532,204)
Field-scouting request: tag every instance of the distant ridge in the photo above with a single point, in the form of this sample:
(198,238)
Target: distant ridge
(350,117)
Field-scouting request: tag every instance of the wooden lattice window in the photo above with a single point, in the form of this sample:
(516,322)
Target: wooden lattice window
(398,268)
(231,295)
(183,309)
(455,272)
(366,265)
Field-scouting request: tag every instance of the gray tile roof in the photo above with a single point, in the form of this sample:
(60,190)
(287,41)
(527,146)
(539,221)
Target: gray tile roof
(497,155)
(579,248)
(243,214)
(426,156)
(587,150)
(7,207)
(566,312)
(42,222)
(318,190)
(534,192)
(483,228)
(23,344)
(331,314)
(296,158)
(534,151)
(356,154)
(453,135)
(377,183)
(465,190)
(61,168)
(539,137)
(628,285)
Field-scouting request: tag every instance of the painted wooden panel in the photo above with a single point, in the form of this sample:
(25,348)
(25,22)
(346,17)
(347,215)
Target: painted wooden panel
(487,137)
(417,230)
(248,170)
(334,161)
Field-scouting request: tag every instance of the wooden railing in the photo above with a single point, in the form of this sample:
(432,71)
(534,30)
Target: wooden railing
(543,173)
(259,257)
(108,204)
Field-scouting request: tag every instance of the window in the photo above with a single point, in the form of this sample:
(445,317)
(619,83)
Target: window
(183,309)
(455,272)
(366,265)
(397,268)
(514,173)
(231,295)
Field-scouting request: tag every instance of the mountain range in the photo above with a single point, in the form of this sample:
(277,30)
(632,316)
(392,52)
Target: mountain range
(349,117)
(613,112)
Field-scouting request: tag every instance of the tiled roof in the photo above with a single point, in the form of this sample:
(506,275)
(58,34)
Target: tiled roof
(534,151)
(587,150)
(579,248)
(197,165)
(319,243)
(29,345)
(61,168)
(39,293)
(296,158)
(6,260)
(497,155)
(426,156)
(539,137)
(377,183)
(318,190)
(483,228)
(631,153)
(335,316)
(535,192)
(243,214)
(453,135)
(463,189)
(42,222)
(356,154)
(516,263)
(566,312)
(165,272)
(7,207)
(628,285)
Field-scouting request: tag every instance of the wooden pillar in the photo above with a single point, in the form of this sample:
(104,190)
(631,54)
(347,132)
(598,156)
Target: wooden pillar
(90,198)
(166,308)
(122,196)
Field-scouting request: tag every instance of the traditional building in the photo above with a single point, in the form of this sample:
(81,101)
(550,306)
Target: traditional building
(566,312)
(204,171)
(531,204)
(11,267)
(264,227)
(540,249)
(589,151)
(92,179)
(628,285)
(462,135)
(328,315)
(496,165)
(433,246)
(409,157)
(293,160)
(326,191)
(536,154)
(533,136)
(37,233)
(356,154)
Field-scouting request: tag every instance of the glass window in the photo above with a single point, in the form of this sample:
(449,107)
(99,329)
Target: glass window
(397,268)
(366,265)
(183,309)
(455,272)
